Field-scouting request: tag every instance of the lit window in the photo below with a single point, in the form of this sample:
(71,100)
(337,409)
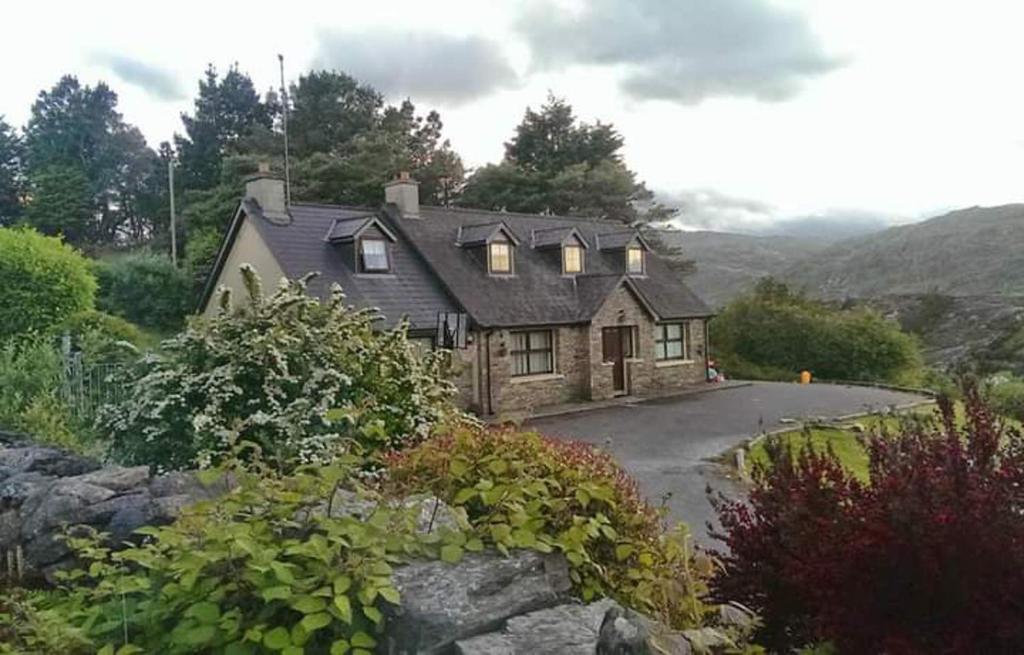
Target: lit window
(671,341)
(572,259)
(635,260)
(532,352)
(500,257)
(373,255)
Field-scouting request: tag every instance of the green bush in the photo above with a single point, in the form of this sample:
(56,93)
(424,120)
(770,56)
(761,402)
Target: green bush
(262,569)
(146,289)
(521,490)
(773,333)
(103,338)
(44,281)
(30,376)
(1006,395)
(299,377)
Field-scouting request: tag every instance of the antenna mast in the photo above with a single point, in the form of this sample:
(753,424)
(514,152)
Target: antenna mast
(284,126)
(174,227)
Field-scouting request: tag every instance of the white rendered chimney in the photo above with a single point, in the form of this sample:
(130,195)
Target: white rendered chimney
(268,192)
(405,193)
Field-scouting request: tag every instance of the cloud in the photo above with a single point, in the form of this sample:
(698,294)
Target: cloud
(450,70)
(713,210)
(151,79)
(682,50)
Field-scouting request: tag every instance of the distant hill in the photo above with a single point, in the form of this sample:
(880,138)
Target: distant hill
(729,264)
(976,251)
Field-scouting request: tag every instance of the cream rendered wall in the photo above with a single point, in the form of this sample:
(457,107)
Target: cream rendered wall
(248,248)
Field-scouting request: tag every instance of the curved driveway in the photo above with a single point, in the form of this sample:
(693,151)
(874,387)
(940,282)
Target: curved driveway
(666,443)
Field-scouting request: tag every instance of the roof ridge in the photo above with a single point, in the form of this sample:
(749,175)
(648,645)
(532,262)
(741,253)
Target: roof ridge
(561,217)
(369,210)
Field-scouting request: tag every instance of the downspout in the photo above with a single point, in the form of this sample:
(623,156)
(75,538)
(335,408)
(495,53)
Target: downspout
(707,347)
(490,399)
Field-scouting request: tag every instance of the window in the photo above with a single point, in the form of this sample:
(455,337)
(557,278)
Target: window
(671,341)
(635,260)
(572,259)
(373,255)
(499,257)
(532,352)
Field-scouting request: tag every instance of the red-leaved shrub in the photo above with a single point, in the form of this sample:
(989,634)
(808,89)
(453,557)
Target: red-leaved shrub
(927,557)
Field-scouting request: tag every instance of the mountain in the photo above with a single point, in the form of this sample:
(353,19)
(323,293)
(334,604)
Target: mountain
(975,251)
(729,264)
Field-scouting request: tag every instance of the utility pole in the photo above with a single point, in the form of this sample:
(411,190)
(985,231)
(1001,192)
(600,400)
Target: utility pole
(174,228)
(284,126)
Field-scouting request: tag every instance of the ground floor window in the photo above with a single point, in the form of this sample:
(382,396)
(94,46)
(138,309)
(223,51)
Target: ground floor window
(671,341)
(533,352)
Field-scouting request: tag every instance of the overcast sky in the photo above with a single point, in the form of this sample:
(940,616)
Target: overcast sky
(744,112)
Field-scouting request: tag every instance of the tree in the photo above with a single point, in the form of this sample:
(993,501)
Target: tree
(329,109)
(556,164)
(62,203)
(227,111)
(44,282)
(78,128)
(11,182)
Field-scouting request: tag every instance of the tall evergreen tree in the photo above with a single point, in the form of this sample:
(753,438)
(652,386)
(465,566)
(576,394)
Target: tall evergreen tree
(11,179)
(329,109)
(76,130)
(556,163)
(227,111)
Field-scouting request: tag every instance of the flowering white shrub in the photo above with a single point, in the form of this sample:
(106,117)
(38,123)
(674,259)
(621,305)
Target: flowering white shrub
(298,377)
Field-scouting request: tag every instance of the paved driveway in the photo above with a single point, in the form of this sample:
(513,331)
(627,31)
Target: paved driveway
(666,443)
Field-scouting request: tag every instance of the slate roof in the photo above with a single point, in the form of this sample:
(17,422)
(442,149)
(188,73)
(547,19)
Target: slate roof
(410,289)
(556,236)
(617,239)
(435,269)
(345,229)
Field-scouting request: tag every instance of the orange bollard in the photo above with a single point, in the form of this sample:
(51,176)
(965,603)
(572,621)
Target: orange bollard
(805,377)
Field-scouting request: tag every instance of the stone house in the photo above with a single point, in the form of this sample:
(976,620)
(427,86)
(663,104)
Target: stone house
(545,309)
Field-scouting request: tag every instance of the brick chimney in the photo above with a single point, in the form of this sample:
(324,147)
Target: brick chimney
(405,193)
(268,191)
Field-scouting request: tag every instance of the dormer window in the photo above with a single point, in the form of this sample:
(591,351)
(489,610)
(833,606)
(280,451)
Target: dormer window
(373,256)
(635,260)
(499,257)
(572,258)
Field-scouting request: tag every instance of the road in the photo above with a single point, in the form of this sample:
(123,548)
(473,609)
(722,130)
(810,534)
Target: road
(667,443)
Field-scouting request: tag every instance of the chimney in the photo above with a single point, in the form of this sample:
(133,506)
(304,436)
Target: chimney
(404,192)
(268,192)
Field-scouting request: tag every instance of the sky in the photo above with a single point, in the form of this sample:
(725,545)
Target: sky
(749,115)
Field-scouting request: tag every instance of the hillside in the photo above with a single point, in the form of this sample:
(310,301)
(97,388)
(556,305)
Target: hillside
(729,264)
(975,251)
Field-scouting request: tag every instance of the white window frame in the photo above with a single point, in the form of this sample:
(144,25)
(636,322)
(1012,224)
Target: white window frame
(643,260)
(565,258)
(361,254)
(490,258)
(662,341)
(525,353)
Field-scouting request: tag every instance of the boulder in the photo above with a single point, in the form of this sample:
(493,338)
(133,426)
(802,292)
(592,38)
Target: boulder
(443,603)
(625,632)
(569,629)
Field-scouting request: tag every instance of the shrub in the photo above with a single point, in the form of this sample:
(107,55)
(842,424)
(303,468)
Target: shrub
(1006,394)
(44,282)
(521,490)
(261,569)
(923,558)
(299,377)
(146,289)
(30,376)
(102,337)
(775,334)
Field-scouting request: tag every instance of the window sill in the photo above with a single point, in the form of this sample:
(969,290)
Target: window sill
(374,275)
(634,360)
(539,377)
(666,363)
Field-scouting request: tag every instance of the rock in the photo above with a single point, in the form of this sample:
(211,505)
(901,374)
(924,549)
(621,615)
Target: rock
(127,513)
(47,461)
(177,483)
(625,632)
(117,478)
(734,614)
(443,603)
(66,501)
(431,512)
(569,629)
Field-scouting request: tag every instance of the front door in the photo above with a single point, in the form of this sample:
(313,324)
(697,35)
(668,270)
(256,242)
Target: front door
(617,344)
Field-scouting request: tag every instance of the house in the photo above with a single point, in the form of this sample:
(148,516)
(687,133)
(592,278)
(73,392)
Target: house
(555,309)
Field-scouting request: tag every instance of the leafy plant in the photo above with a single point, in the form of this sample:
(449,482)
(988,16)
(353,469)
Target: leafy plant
(925,557)
(44,282)
(30,375)
(1006,394)
(521,490)
(103,338)
(146,289)
(297,376)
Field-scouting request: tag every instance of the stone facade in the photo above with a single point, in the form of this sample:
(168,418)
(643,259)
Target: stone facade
(486,385)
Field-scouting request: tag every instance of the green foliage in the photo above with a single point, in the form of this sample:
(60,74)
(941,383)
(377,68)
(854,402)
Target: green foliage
(44,282)
(554,163)
(1005,393)
(30,373)
(29,627)
(299,377)
(11,174)
(777,334)
(262,569)
(520,490)
(102,338)
(146,289)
